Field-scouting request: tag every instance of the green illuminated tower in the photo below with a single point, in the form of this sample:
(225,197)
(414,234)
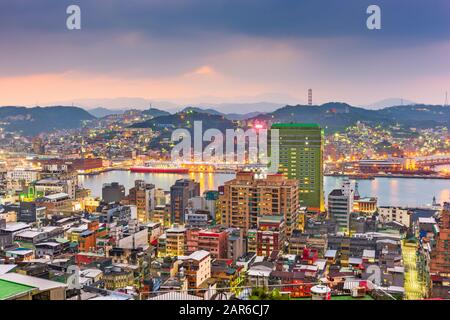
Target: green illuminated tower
(301,158)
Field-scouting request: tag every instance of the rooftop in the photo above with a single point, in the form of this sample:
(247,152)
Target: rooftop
(57,196)
(41,284)
(15,226)
(430,220)
(9,290)
(5,268)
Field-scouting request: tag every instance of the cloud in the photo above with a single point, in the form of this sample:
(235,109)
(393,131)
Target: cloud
(182,49)
(204,71)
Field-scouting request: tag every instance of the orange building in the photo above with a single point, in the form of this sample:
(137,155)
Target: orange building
(243,199)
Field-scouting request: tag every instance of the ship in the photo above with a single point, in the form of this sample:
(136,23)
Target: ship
(361,177)
(160,167)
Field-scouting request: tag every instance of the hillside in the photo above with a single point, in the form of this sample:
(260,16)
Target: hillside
(184,120)
(337,116)
(153,112)
(101,112)
(32,121)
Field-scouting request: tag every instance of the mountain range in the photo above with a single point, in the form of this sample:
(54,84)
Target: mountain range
(331,116)
(33,121)
(335,116)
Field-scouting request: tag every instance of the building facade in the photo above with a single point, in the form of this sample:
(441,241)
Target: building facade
(180,193)
(245,198)
(301,158)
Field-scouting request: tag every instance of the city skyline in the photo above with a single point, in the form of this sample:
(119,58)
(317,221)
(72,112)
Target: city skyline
(224,150)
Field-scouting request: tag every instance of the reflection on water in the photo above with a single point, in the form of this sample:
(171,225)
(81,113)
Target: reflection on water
(389,191)
(208,181)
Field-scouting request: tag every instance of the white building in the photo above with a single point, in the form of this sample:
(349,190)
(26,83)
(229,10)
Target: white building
(390,214)
(197,267)
(19,177)
(340,204)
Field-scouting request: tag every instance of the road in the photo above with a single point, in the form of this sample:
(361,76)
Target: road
(414,288)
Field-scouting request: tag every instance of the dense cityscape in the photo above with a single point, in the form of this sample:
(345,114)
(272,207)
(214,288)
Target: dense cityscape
(222,159)
(256,236)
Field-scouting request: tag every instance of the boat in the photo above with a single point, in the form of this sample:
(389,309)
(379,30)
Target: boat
(361,177)
(160,167)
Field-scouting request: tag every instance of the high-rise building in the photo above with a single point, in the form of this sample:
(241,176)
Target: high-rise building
(340,204)
(142,195)
(180,193)
(301,158)
(245,198)
(440,257)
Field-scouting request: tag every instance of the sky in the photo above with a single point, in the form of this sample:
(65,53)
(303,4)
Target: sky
(223,51)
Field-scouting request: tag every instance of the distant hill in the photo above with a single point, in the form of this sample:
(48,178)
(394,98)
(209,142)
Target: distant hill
(153,112)
(337,116)
(32,121)
(184,120)
(333,116)
(200,110)
(237,116)
(104,112)
(229,116)
(243,108)
(391,102)
(418,115)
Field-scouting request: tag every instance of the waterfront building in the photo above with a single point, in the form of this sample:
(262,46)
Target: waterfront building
(301,158)
(391,214)
(366,205)
(340,204)
(180,193)
(142,195)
